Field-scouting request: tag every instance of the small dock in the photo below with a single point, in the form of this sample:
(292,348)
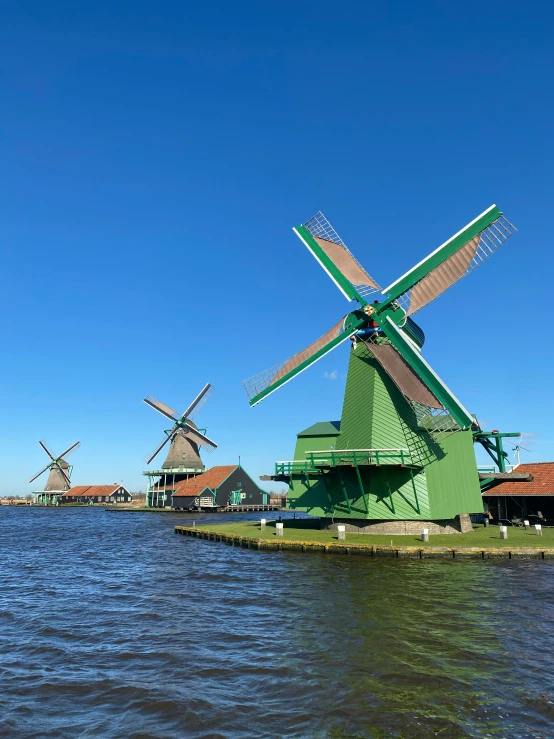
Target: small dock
(221,509)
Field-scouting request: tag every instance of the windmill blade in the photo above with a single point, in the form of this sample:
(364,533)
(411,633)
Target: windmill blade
(63,473)
(331,252)
(158,448)
(454,259)
(162,408)
(261,385)
(41,472)
(200,439)
(47,449)
(404,377)
(199,402)
(430,414)
(413,357)
(70,449)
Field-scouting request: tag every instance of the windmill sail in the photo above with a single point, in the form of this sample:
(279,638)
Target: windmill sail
(199,402)
(427,375)
(162,408)
(260,386)
(336,259)
(403,375)
(430,413)
(454,259)
(200,439)
(157,449)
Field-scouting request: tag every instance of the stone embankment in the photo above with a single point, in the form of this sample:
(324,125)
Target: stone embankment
(369,550)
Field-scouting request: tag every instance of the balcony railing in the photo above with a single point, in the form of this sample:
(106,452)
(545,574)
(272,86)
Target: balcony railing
(317,461)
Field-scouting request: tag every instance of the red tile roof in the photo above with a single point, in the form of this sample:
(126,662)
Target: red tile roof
(210,479)
(91,491)
(542,484)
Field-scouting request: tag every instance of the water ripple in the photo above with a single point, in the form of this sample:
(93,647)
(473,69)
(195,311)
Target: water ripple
(111,626)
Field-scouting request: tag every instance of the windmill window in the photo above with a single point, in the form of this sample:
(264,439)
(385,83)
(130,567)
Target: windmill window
(239,484)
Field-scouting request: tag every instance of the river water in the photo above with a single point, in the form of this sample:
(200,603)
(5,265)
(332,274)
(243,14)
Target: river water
(113,626)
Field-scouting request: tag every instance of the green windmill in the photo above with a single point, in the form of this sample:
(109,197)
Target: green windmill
(403,450)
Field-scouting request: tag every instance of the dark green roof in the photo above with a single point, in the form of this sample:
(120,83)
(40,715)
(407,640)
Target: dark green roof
(323,428)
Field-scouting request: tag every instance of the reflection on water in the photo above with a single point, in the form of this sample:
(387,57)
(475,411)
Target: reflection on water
(112,626)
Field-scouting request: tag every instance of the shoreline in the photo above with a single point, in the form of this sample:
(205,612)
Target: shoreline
(411,551)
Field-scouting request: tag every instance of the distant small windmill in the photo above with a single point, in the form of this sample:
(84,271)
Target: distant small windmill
(60,472)
(517,448)
(185,438)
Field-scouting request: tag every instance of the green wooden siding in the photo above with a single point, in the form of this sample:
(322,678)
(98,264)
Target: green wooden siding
(376,416)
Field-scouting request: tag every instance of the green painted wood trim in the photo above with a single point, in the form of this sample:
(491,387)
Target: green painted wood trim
(354,326)
(344,490)
(415,492)
(328,491)
(344,285)
(437,257)
(362,490)
(462,417)
(390,493)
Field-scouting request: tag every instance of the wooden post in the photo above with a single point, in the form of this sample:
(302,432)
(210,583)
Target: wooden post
(262,524)
(279,529)
(503,532)
(538,529)
(424,534)
(527,525)
(341,528)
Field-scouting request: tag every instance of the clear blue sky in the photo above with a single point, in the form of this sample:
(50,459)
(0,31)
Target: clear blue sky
(154,157)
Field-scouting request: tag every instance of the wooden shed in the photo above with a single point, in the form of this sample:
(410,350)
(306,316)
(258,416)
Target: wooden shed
(532,500)
(218,487)
(105,494)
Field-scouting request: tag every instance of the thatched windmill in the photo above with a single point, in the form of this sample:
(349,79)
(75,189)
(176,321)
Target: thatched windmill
(183,458)
(59,480)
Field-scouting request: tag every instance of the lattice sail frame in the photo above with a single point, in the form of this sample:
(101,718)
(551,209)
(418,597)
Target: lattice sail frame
(258,383)
(436,421)
(319,227)
(490,240)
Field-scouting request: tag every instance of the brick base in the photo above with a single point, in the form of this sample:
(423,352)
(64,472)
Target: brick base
(459,525)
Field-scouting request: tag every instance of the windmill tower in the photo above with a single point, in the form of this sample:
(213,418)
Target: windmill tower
(403,450)
(59,480)
(183,458)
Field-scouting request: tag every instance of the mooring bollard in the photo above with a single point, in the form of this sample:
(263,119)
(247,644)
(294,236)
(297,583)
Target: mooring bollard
(342,532)
(503,532)
(279,529)
(424,534)
(538,529)
(527,525)
(262,524)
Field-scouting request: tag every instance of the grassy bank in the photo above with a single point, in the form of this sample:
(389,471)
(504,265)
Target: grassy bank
(303,530)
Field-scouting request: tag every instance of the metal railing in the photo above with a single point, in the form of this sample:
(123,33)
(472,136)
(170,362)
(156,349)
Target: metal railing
(493,469)
(352,457)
